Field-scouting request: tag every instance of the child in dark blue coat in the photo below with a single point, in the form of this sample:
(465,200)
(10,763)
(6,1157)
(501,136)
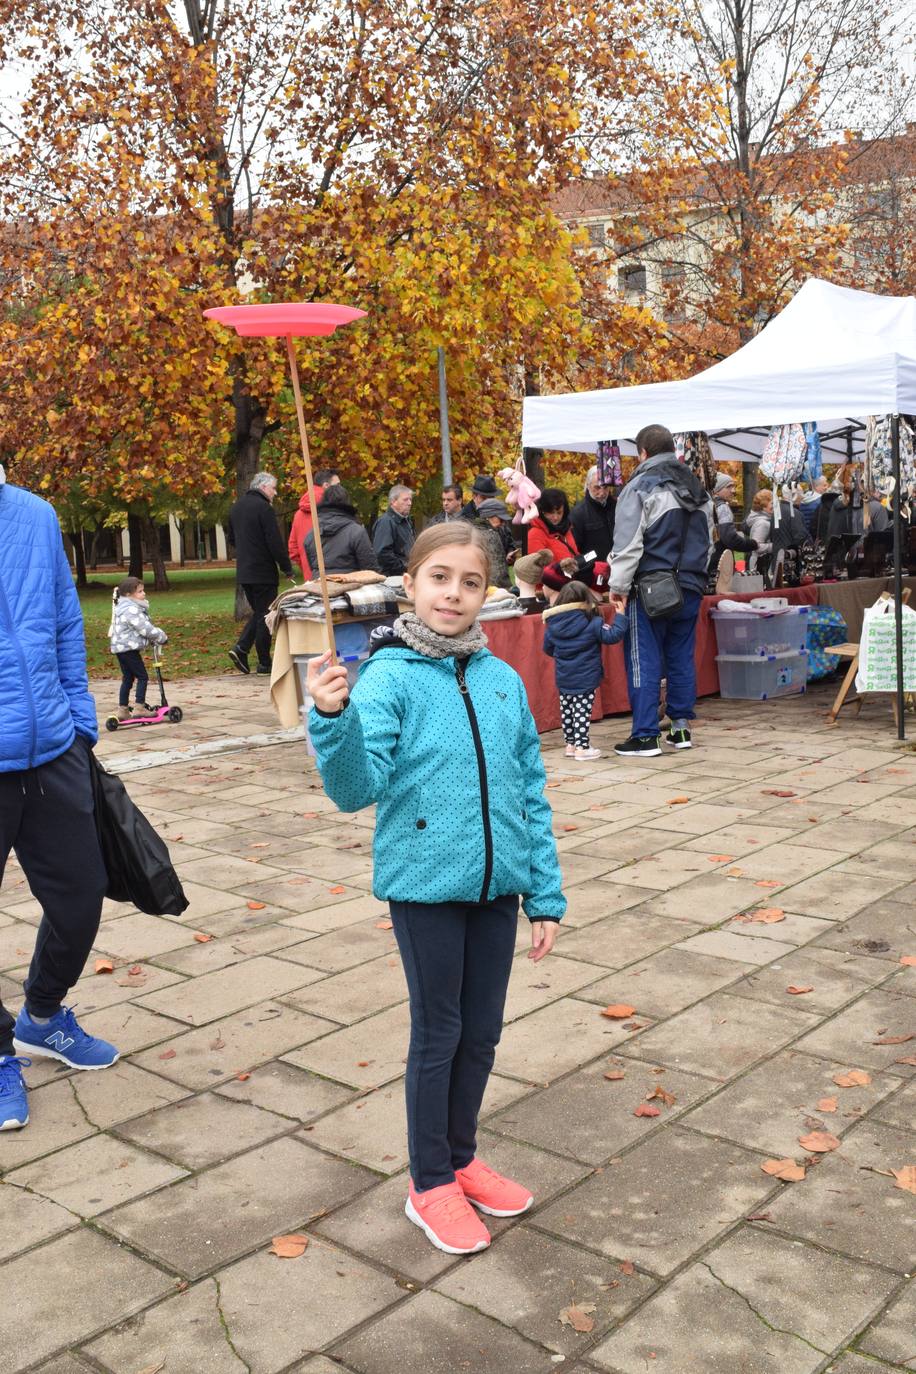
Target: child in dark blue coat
(573,635)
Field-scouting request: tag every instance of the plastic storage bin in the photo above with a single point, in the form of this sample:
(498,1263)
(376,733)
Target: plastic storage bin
(751,677)
(761,635)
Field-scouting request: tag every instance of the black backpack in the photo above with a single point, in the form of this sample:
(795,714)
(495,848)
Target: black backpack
(136,857)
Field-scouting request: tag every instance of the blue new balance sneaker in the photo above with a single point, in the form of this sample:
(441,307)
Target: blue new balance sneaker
(14,1105)
(64,1039)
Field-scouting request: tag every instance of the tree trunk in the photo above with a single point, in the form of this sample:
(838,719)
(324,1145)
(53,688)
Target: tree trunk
(79,556)
(94,550)
(135,539)
(154,554)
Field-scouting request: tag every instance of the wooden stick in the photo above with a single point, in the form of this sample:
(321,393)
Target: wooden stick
(316,529)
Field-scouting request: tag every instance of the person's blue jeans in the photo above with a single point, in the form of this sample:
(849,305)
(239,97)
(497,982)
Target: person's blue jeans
(457,959)
(656,649)
(133,669)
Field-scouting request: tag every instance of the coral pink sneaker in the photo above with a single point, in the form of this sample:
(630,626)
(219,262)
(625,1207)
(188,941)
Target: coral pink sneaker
(492,1193)
(443,1213)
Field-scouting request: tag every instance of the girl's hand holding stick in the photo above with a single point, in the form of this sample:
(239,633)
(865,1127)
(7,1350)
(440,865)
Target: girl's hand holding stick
(327,684)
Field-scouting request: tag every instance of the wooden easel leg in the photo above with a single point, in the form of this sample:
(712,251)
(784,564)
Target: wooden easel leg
(842,694)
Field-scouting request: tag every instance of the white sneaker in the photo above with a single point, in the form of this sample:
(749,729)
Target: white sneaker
(581,755)
(570,751)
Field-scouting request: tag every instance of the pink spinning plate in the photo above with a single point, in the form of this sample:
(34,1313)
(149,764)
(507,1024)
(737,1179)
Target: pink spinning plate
(279,321)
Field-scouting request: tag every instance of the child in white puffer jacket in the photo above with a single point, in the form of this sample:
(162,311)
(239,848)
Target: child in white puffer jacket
(130,631)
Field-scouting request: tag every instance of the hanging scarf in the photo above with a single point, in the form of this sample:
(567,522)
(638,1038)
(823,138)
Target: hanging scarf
(417,635)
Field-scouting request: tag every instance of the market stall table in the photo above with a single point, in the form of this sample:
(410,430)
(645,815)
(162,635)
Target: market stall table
(519,643)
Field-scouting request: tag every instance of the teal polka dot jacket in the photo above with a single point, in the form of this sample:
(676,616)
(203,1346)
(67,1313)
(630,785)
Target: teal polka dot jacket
(457,776)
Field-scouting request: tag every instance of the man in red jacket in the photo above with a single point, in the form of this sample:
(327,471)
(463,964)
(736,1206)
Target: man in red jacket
(304,519)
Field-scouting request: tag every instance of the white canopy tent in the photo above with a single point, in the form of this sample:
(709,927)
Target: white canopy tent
(832,355)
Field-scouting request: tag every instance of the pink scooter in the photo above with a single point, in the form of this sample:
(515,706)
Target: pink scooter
(163,714)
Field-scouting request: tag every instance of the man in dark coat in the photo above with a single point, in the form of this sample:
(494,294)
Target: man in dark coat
(483,488)
(393,536)
(344,541)
(259,550)
(592,518)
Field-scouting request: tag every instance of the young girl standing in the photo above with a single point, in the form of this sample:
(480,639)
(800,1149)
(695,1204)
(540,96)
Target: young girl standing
(439,733)
(130,631)
(573,635)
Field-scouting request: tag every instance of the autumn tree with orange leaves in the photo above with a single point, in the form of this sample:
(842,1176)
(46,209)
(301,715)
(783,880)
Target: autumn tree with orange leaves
(391,155)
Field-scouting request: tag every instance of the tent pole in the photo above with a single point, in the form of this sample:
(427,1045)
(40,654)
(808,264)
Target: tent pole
(898,572)
(444,433)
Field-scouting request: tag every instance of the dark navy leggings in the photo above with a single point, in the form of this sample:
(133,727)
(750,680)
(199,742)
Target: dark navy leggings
(457,958)
(132,669)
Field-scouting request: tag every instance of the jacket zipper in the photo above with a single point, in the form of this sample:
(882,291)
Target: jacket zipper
(26,684)
(482,776)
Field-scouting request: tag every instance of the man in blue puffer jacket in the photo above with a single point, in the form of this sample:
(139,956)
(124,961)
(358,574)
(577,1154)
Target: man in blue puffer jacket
(663,524)
(47,730)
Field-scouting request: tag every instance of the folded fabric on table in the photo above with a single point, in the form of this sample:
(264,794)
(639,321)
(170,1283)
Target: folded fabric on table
(339,583)
(379,599)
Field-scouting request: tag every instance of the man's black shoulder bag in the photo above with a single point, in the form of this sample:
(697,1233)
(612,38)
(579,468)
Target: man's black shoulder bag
(660,593)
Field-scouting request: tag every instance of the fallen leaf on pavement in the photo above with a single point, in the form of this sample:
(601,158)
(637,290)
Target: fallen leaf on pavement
(243,1077)
(785,1169)
(759,1216)
(384,925)
(658,1091)
(826,1104)
(910,1059)
(678,801)
(167,1054)
(204,939)
(264,844)
(152,1368)
(218,1044)
(615,1075)
(767,882)
(909,959)
(553,784)
(104,966)
(618,1011)
(906,1178)
(856,1078)
(797,989)
(336,891)
(627,1267)
(645,1110)
(309,815)
(893,1040)
(721,858)
(768,915)
(288,1247)
(777,792)
(256,906)
(576,1316)
(818,1142)
(570,827)
(734,873)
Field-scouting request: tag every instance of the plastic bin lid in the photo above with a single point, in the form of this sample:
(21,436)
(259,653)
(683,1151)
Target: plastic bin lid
(761,658)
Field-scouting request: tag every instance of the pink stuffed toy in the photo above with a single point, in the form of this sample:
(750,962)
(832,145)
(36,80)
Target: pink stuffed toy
(522,494)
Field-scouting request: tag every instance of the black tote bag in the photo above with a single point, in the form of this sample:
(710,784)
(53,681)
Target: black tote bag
(136,857)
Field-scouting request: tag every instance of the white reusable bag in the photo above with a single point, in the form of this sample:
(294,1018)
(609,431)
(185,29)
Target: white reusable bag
(878,649)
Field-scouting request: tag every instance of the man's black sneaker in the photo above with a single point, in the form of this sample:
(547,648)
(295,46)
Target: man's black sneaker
(643,746)
(239,660)
(678,739)
(263,668)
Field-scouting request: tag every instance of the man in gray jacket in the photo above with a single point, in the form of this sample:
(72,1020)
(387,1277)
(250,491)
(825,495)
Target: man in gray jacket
(664,523)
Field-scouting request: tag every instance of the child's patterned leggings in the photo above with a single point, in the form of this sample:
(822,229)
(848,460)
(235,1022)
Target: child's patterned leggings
(575,715)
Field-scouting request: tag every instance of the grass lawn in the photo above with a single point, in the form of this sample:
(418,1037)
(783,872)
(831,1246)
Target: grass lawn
(196,614)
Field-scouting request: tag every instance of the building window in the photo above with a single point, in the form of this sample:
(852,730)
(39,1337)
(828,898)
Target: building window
(596,235)
(632,278)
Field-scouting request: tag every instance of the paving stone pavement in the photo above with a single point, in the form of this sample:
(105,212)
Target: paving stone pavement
(260,1089)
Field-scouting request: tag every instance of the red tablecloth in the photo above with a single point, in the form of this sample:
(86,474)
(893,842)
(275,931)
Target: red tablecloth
(519,642)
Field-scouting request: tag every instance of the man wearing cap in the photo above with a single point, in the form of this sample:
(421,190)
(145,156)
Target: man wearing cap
(483,488)
(494,517)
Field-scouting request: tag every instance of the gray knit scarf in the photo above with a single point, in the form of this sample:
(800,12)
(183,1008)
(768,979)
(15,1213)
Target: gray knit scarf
(418,635)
